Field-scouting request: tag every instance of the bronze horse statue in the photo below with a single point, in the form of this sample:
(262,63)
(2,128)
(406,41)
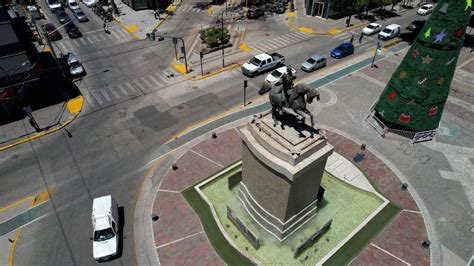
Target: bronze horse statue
(296,98)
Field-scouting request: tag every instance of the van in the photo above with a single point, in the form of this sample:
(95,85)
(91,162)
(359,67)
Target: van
(391,31)
(105,225)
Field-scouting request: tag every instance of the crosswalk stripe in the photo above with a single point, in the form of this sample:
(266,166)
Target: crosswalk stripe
(131,89)
(158,84)
(257,48)
(295,35)
(89,39)
(268,44)
(75,42)
(282,40)
(302,35)
(272,42)
(69,47)
(61,46)
(122,89)
(115,34)
(109,36)
(121,33)
(82,40)
(96,38)
(147,83)
(97,98)
(103,37)
(341,36)
(106,95)
(89,100)
(280,43)
(161,78)
(115,93)
(140,86)
(287,38)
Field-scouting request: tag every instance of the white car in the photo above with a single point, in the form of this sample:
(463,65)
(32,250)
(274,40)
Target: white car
(73,5)
(274,78)
(425,9)
(89,3)
(391,31)
(372,28)
(105,224)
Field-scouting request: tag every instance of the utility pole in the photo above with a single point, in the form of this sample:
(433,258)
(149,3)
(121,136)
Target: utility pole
(201,56)
(175,41)
(245,91)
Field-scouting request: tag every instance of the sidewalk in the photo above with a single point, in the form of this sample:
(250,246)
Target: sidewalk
(139,23)
(49,119)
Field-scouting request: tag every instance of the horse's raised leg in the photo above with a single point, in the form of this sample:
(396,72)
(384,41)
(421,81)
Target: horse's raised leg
(300,113)
(310,116)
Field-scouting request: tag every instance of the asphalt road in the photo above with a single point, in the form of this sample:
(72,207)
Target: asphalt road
(114,140)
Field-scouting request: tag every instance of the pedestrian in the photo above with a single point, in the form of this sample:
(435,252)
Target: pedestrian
(360,38)
(106,29)
(156,13)
(352,39)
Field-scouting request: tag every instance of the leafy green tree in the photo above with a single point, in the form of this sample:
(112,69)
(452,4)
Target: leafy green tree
(415,96)
(214,37)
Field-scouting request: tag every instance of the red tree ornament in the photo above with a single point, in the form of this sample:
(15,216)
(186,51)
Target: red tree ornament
(404,118)
(415,53)
(433,111)
(459,32)
(392,96)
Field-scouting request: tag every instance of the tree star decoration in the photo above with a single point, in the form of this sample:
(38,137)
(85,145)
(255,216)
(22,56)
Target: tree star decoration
(403,75)
(428,33)
(444,8)
(412,102)
(415,52)
(451,61)
(468,4)
(427,60)
(459,33)
(440,36)
(382,113)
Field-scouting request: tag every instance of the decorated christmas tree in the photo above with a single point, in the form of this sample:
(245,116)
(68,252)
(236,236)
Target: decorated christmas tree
(415,96)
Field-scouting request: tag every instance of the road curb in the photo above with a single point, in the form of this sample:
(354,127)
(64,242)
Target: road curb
(329,32)
(182,69)
(75,105)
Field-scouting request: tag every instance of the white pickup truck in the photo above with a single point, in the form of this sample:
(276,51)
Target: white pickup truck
(261,63)
(105,224)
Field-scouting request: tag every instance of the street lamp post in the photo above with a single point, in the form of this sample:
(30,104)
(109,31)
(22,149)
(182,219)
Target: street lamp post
(222,30)
(183,48)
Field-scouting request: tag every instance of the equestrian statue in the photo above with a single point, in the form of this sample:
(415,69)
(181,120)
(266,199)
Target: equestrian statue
(295,97)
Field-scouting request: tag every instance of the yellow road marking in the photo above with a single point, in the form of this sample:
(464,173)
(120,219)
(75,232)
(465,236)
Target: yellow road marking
(44,133)
(75,105)
(16,203)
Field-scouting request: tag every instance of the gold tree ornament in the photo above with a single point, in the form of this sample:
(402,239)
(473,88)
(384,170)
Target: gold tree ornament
(403,74)
(427,59)
(440,81)
(412,102)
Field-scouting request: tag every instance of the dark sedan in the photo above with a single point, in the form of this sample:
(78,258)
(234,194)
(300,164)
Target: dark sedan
(51,31)
(73,31)
(62,16)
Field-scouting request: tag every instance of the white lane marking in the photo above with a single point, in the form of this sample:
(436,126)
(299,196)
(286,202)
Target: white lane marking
(106,95)
(177,240)
(122,89)
(389,253)
(130,87)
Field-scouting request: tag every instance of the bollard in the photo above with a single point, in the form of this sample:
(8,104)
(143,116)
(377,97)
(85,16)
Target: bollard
(174,166)
(154,217)
(404,186)
(214,135)
(426,243)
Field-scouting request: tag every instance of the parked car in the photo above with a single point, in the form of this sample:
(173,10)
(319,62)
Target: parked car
(72,31)
(106,228)
(372,28)
(62,16)
(391,31)
(73,5)
(254,13)
(343,50)
(280,8)
(261,63)
(75,67)
(80,16)
(314,62)
(425,9)
(50,30)
(416,25)
(274,78)
(54,5)
(89,3)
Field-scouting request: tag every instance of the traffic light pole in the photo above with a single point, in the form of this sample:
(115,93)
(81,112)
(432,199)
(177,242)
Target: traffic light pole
(200,56)
(245,91)
(183,49)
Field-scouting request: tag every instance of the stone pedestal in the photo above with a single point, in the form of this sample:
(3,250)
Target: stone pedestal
(281,173)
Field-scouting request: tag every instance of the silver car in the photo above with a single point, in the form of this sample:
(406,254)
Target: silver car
(79,14)
(75,67)
(313,63)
